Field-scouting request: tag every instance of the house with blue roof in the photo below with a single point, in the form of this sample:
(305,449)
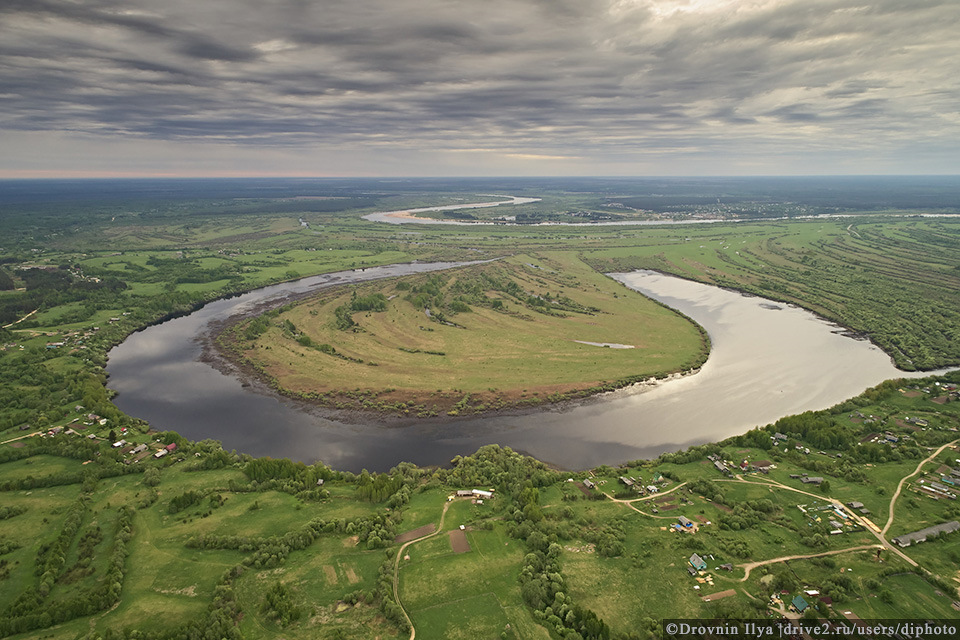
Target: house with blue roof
(800,604)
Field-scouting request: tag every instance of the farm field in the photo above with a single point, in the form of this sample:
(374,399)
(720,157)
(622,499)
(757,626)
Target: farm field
(102,543)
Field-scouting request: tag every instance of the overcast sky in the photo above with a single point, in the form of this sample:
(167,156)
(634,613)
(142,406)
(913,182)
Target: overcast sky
(478,87)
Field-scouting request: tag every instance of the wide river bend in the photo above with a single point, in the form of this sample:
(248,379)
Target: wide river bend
(767,361)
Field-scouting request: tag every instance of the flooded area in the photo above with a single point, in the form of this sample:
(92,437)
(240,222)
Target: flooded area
(768,360)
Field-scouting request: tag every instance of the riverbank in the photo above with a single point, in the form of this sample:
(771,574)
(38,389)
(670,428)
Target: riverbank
(512,346)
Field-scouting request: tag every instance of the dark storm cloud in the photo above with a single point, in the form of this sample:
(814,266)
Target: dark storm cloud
(577,76)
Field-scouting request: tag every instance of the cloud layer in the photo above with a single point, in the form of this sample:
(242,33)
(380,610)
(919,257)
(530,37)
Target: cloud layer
(779,85)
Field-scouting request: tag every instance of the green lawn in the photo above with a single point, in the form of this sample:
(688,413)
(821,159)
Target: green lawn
(442,590)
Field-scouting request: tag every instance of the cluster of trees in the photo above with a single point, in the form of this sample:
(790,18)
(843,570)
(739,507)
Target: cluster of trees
(46,289)
(343,318)
(32,610)
(185,500)
(6,282)
(383,597)
(747,514)
(518,480)
(85,549)
(179,270)
(343,314)
(9,512)
(543,588)
(29,389)
(51,557)
(377,487)
(473,289)
(498,467)
(256,327)
(376,531)
(286,475)
(6,546)
(211,456)
(371,302)
(696,453)
(278,605)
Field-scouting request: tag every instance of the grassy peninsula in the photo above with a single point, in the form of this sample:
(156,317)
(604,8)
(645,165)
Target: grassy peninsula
(518,331)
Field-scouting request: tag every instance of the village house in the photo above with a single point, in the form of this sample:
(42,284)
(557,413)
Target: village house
(799,604)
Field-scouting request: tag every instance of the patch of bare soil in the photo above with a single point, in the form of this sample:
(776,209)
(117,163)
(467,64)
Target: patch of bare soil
(330,573)
(719,595)
(458,541)
(416,533)
(907,425)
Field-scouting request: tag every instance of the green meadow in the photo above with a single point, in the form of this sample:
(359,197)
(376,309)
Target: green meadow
(205,543)
(439,340)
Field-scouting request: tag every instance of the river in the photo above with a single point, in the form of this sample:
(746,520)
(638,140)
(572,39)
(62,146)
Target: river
(768,360)
(408,216)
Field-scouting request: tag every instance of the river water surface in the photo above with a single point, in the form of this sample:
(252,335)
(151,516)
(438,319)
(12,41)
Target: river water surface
(767,361)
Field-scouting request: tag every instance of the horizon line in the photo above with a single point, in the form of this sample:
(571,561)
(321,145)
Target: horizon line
(465,177)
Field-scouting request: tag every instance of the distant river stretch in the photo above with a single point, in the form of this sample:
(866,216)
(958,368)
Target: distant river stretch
(767,361)
(408,216)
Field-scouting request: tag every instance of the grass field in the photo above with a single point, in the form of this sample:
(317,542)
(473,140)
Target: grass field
(121,268)
(500,349)
(463,594)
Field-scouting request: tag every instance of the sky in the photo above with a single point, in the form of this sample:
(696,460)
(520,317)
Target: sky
(101,88)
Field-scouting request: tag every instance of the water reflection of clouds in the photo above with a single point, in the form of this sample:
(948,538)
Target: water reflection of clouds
(764,364)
